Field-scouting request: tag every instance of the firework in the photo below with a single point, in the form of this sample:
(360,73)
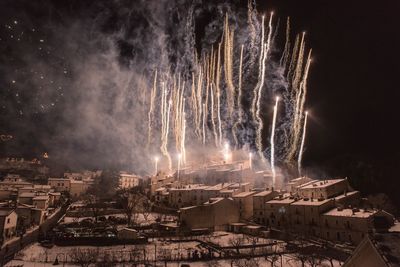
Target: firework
(300,158)
(272,142)
(222,106)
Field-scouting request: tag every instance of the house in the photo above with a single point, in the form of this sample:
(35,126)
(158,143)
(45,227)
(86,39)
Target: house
(324,188)
(216,214)
(28,215)
(8,223)
(352,225)
(41,202)
(54,198)
(14,182)
(277,211)
(294,184)
(59,184)
(259,202)
(127,180)
(127,233)
(378,250)
(244,201)
(26,198)
(7,193)
(77,188)
(305,214)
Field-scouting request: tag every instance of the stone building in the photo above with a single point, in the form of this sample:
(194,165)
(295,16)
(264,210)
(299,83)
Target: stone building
(216,214)
(352,225)
(244,201)
(259,203)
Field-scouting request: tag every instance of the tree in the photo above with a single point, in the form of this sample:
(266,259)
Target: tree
(271,255)
(131,204)
(105,186)
(236,242)
(83,257)
(94,205)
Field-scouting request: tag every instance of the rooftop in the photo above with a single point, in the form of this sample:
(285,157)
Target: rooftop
(263,193)
(218,186)
(340,197)
(190,187)
(244,194)
(46,197)
(349,213)
(322,183)
(27,194)
(299,179)
(5,211)
(282,200)
(311,202)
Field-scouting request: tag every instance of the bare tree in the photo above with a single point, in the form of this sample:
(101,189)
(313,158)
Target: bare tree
(93,204)
(132,204)
(83,257)
(253,240)
(272,255)
(236,242)
(146,208)
(314,260)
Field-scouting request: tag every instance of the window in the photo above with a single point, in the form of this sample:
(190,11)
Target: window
(8,220)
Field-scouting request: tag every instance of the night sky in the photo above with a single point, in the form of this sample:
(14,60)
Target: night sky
(353,86)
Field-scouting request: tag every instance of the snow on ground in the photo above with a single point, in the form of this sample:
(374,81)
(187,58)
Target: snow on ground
(36,255)
(224,239)
(140,218)
(287,261)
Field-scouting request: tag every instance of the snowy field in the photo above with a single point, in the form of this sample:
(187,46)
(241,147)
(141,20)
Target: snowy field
(36,255)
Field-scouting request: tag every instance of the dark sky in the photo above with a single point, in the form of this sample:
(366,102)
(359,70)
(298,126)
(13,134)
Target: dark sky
(353,89)
(354,80)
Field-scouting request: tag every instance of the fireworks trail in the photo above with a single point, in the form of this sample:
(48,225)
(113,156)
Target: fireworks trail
(300,89)
(260,75)
(218,81)
(214,128)
(199,104)
(151,110)
(204,124)
(272,143)
(300,158)
(286,50)
(228,54)
(166,111)
(266,48)
(239,100)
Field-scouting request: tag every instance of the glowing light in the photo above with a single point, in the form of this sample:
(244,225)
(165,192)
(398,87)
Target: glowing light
(251,160)
(300,158)
(156,159)
(273,143)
